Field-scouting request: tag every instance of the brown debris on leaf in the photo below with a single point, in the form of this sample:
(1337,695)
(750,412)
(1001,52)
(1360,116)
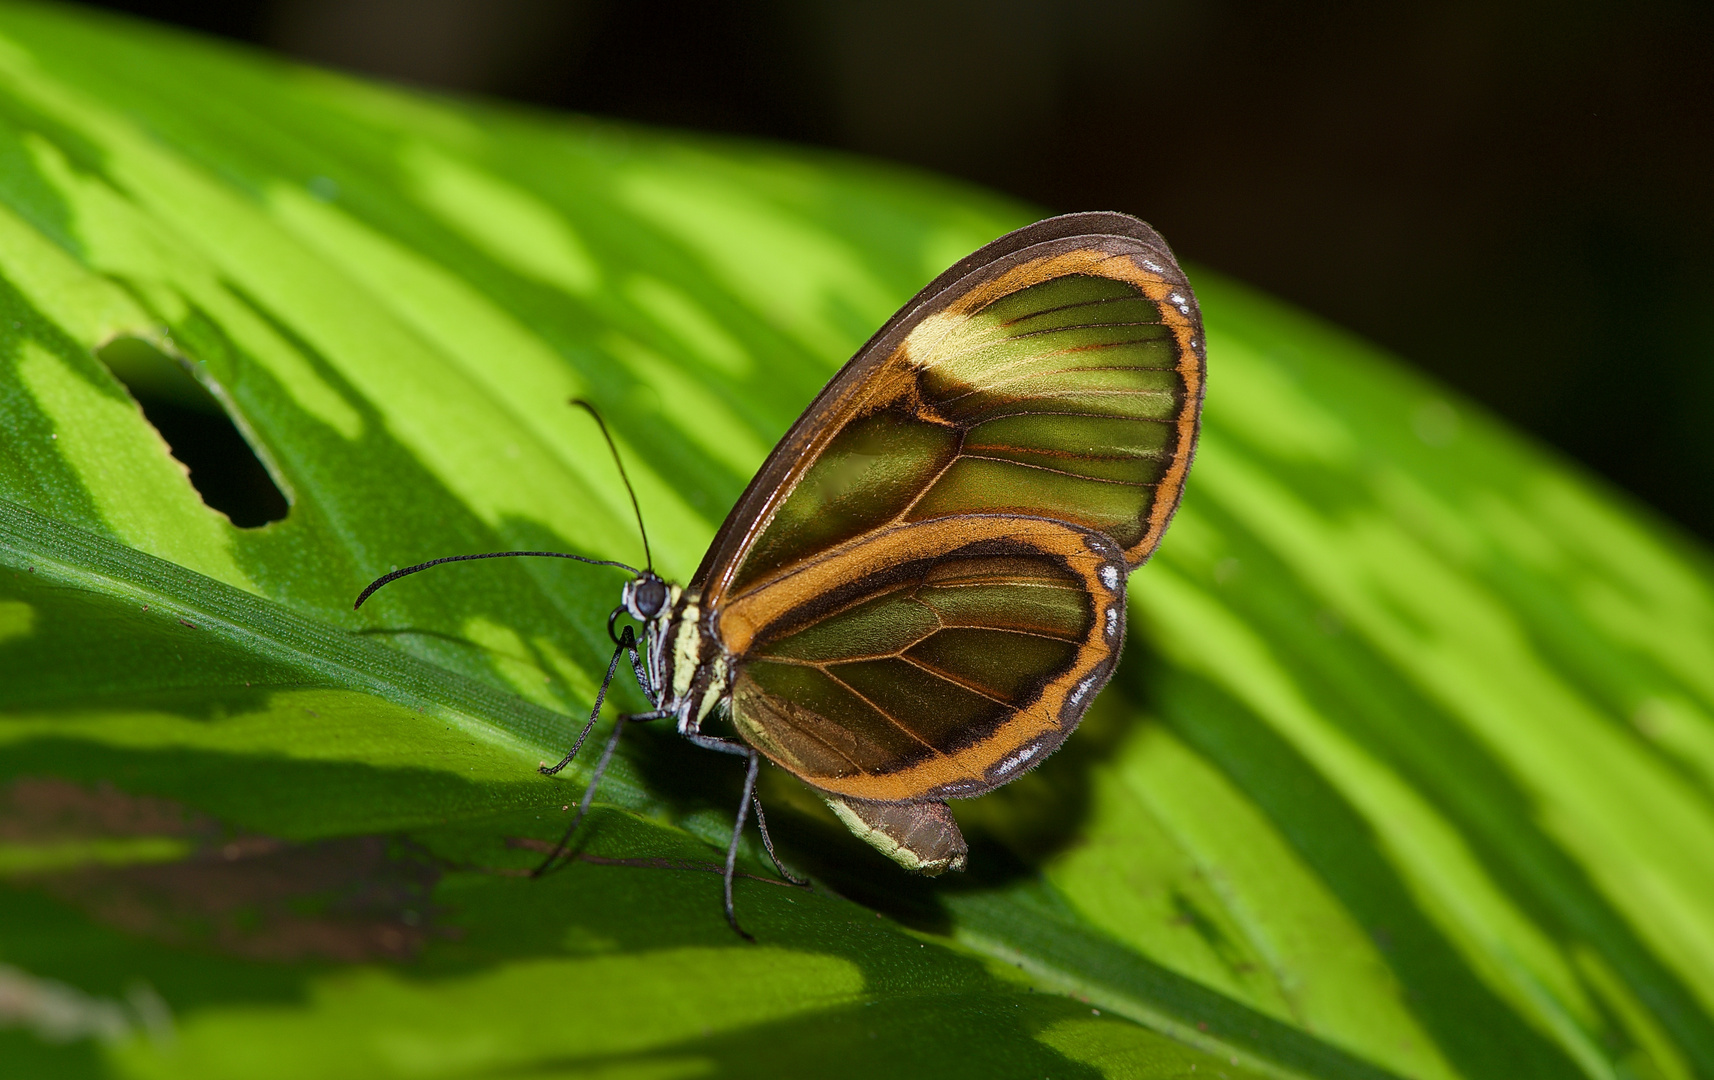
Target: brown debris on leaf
(347,900)
(351,899)
(38,809)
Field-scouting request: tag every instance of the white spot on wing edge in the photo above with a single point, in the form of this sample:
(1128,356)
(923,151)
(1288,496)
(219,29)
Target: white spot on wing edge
(1112,622)
(1017,758)
(956,790)
(1109,575)
(1077,695)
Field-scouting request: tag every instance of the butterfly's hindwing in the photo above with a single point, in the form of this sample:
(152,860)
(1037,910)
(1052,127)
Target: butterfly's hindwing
(931,660)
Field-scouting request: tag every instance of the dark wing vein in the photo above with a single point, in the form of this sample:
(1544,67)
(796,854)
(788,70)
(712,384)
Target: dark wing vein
(808,734)
(1079,455)
(1062,472)
(885,715)
(1127,298)
(935,358)
(1010,379)
(988,418)
(948,677)
(1021,335)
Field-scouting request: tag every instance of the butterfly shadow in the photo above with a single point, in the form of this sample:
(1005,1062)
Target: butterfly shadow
(1013,831)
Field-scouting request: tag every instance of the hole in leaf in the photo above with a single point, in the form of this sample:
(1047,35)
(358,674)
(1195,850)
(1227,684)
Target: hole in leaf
(223,468)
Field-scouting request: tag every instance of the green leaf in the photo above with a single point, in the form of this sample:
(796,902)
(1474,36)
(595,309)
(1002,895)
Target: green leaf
(1409,769)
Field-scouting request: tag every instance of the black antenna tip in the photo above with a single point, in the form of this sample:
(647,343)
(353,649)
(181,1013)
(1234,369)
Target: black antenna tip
(648,556)
(397,574)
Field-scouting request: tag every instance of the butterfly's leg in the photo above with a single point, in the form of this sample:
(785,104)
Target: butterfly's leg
(768,842)
(594,782)
(628,641)
(625,641)
(642,674)
(725,746)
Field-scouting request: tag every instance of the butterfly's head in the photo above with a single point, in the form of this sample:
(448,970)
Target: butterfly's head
(646,596)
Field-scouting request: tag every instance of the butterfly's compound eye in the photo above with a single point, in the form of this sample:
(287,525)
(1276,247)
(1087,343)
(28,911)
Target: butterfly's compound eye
(645,597)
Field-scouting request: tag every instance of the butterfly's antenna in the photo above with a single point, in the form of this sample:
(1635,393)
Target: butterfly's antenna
(648,559)
(397,574)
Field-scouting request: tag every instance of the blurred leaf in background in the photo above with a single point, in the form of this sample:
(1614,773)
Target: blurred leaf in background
(1409,769)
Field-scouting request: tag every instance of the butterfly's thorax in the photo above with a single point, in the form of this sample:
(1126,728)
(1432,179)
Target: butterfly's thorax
(689,670)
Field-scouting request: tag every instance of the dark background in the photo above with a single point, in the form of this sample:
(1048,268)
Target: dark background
(1518,197)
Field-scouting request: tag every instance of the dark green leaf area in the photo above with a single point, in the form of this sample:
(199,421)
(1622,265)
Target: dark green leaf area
(67,643)
(845,996)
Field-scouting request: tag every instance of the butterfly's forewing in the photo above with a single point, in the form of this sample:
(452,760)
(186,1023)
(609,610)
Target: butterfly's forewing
(1056,373)
(923,587)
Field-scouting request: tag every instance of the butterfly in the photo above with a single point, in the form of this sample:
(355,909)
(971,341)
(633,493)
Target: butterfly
(923,588)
